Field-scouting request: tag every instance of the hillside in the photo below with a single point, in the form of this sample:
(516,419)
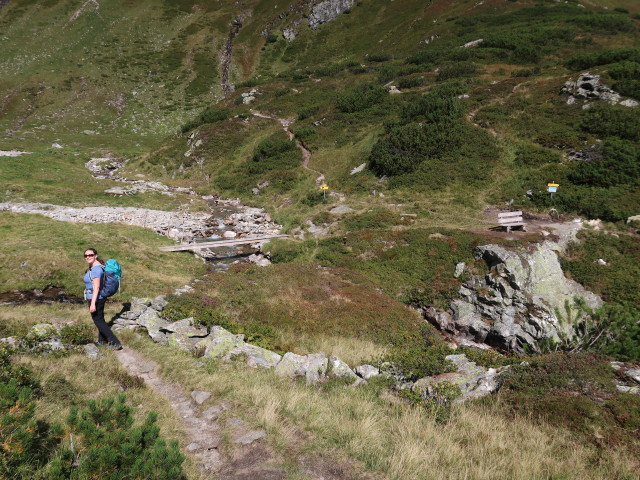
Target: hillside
(423,120)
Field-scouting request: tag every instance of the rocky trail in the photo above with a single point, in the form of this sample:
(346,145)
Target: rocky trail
(251,460)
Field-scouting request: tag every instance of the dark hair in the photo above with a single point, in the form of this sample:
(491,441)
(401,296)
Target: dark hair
(96,253)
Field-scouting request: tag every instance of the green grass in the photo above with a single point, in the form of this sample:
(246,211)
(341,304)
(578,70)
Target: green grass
(38,251)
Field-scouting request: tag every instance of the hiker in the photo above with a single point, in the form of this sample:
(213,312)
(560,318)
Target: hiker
(92,280)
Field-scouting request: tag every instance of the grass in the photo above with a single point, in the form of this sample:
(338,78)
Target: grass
(38,251)
(385,436)
(301,307)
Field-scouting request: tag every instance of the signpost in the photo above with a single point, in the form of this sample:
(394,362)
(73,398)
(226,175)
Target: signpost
(552,188)
(324,189)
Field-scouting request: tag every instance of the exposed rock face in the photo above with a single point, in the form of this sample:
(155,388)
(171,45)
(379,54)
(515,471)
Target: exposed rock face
(514,305)
(326,11)
(588,87)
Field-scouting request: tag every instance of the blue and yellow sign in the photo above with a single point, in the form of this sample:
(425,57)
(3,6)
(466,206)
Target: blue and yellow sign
(552,187)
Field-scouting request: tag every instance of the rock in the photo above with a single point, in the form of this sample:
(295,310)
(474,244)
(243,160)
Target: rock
(459,269)
(514,305)
(338,368)
(229,234)
(159,303)
(629,103)
(358,169)
(602,262)
(56,145)
(290,34)
(328,10)
(186,327)
(340,210)
(91,351)
(474,43)
(474,381)
(260,357)
(192,447)
(627,389)
(250,437)
(312,366)
(317,364)
(200,397)
(213,412)
(634,220)
(221,342)
(367,371)
(43,330)
(633,374)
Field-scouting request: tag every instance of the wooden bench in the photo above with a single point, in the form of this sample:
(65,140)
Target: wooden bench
(510,220)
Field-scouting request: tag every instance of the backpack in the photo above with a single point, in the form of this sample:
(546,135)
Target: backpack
(112,273)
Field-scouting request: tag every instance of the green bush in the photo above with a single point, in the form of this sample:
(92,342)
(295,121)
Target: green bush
(420,355)
(456,70)
(27,444)
(604,23)
(530,155)
(208,116)
(308,112)
(112,448)
(380,57)
(410,82)
(589,60)
(304,133)
(619,165)
(612,120)
(620,325)
(360,98)
(376,218)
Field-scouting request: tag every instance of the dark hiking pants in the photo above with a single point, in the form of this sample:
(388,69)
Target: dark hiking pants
(105,335)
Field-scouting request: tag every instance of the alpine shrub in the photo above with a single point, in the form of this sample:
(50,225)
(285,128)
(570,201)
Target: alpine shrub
(360,98)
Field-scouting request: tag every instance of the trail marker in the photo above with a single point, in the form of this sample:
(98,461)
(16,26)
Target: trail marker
(552,188)
(324,187)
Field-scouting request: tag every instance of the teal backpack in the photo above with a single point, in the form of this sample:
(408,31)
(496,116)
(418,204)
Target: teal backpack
(111,278)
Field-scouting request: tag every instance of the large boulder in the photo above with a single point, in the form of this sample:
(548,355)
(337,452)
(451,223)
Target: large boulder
(220,342)
(312,366)
(339,369)
(186,327)
(515,304)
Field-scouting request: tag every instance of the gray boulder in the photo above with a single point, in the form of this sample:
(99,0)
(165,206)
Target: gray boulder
(312,366)
(259,357)
(367,371)
(339,369)
(328,10)
(186,327)
(220,342)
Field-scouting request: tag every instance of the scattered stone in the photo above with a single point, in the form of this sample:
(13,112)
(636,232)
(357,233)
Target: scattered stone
(260,357)
(186,327)
(629,103)
(602,262)
(56,145)
(290,34)
(91,351)
(221,342)
(12,153)
(367,371)
(250,437)
(213,412)
(338,368)
(200,397)
(358,169)
(341,209)
(459,269)
(474,43)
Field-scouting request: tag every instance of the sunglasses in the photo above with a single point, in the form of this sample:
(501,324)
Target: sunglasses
(87,255)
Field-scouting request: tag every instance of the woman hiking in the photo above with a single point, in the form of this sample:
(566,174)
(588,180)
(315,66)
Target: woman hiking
(92,280)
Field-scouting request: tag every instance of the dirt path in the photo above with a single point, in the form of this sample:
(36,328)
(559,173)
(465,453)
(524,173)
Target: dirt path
(306,153)
(250,460)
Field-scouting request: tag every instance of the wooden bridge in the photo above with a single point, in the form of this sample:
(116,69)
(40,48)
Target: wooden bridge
(220,243)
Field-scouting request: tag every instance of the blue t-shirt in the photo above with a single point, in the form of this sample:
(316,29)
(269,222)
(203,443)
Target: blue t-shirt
(96,272)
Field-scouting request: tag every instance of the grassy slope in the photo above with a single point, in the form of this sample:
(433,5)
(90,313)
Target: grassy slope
(134,79)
